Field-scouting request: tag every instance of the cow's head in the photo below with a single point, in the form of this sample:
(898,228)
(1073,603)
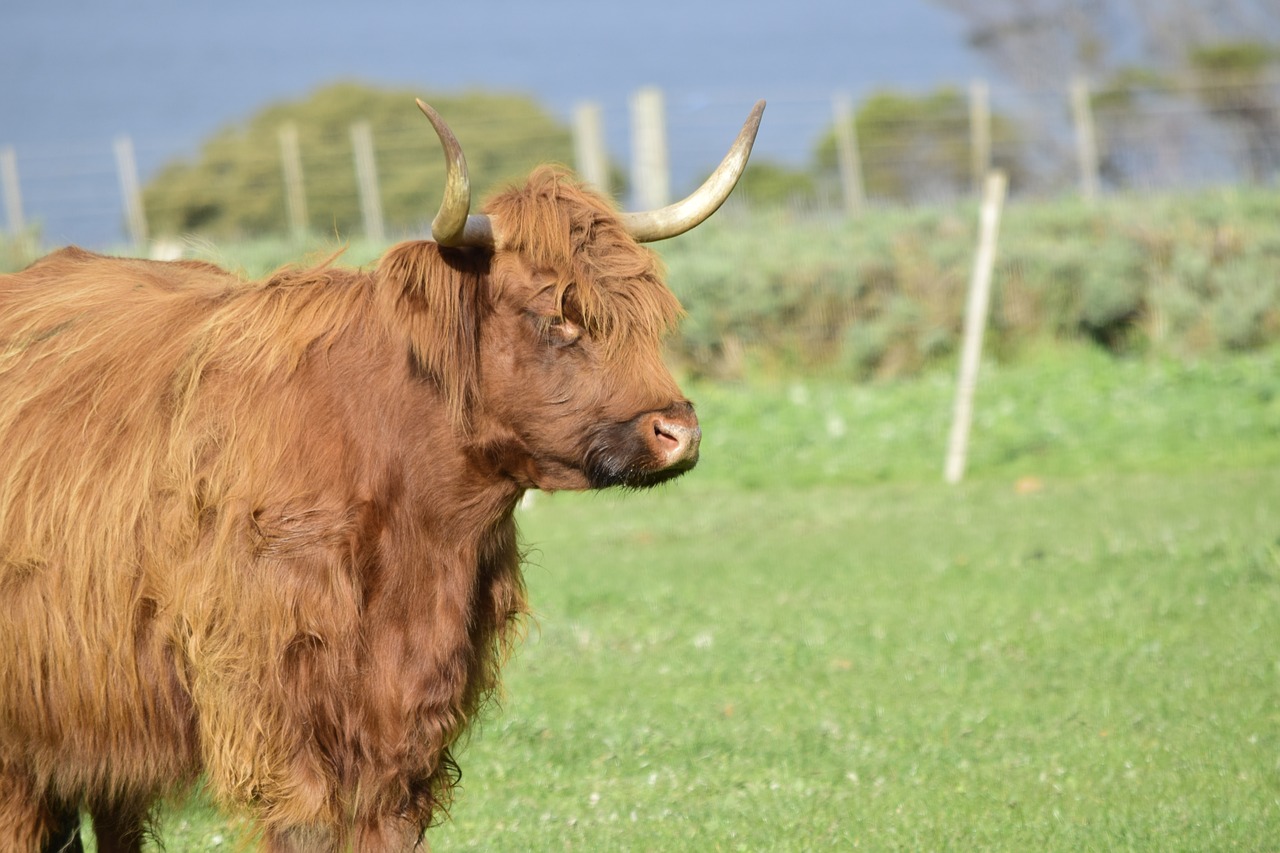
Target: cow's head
(541,321)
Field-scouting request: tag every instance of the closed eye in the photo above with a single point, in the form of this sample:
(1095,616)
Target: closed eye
(555,330)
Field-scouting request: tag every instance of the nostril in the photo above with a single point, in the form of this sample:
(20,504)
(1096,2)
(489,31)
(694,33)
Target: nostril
(677,440)
(666,433)
(670,438)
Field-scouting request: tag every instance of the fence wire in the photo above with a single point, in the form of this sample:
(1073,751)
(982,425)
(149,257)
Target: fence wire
(1177,135)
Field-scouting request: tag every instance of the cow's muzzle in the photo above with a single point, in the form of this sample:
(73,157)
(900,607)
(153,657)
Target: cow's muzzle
(673,436)
(646,450)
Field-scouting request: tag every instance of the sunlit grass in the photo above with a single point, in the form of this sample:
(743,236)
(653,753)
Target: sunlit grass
(1068,412)
(1087,666)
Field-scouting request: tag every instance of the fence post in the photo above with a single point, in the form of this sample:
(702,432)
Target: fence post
(649,174)
(975,322)
(12,192)
(367,182)
(295,198)
(851,186)
(1086,138)
(135,215)
(979,131)
(588,145)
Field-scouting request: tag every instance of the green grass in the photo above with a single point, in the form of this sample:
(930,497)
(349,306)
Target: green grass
(811,643)
(1063,412)
(1092,666)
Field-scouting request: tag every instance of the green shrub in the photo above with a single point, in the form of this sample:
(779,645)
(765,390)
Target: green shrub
(235,187)
(1247,314)
(884,295)
(18,250)
(914,146)
(1112,294)
(766,184)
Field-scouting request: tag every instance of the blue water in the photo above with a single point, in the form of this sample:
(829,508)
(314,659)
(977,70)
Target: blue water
(74,75)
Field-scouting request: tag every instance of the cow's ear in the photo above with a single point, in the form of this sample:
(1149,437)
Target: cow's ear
(431,296)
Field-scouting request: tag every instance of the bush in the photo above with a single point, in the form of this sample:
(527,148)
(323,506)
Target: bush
(18,250)
(916,147)
(235,187)
(884,295)
(766,184)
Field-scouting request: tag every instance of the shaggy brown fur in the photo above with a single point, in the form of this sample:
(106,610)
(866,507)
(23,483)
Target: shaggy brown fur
(262,531)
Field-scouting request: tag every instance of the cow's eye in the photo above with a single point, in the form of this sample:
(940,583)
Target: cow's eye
(562,332)
(557,331)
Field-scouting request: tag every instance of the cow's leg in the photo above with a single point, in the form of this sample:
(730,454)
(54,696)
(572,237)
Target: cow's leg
(27,823)
(65,834)
(119,829)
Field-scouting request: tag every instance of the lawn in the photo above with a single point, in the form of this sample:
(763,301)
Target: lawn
(812,643)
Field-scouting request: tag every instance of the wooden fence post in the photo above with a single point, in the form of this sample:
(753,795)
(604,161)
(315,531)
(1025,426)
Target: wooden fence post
(979,131)
(851,186)
(12,192)
(1086,138)
(367,182)
(135,215)
(975,321)
(295,197)
(588,145)
(650,177)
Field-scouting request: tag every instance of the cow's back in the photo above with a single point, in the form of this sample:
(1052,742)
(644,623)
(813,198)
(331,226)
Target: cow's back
(94,354)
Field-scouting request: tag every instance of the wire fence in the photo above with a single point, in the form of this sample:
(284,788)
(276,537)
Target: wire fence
(1172,135)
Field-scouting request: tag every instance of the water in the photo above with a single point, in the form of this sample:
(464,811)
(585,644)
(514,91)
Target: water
(74,75)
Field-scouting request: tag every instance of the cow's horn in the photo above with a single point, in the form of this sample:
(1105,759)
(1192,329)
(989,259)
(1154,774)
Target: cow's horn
(651,225)
(454,224)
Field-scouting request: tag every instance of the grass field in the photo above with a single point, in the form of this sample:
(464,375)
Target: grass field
(811,643)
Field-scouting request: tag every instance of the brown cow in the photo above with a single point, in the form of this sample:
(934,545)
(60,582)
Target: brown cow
(261,532)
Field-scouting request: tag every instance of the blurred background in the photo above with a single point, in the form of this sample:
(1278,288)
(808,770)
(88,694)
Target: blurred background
(189,103)
(810,642)
(173,78)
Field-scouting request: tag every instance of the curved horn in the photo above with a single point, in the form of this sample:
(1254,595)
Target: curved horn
(674,219)
(453,225)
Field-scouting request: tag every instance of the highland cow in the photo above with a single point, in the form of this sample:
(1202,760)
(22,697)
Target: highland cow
(261,533)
